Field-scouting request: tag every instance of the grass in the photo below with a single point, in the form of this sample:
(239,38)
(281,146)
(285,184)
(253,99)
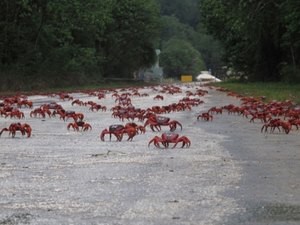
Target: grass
(272,91)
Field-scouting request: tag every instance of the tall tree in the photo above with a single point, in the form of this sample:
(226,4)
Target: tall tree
(186,11)
(255,34)
(130,37)
(197,37)
(290,67)
(35,31)
(75,39)
(180,57)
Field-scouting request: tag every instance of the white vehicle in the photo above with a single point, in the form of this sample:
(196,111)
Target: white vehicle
(206,76)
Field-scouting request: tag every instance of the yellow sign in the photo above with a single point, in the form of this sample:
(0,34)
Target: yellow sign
(186,78)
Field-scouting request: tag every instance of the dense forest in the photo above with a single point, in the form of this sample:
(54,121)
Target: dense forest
(55,43)
(186,46)
(261,38)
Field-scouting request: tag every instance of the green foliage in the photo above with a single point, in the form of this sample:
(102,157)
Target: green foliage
(173,28)
(258,36)
(186,11)
(269,90)
(210,49)
(76,39)
(61,42)
(180,57)
(129,38)
(290,74)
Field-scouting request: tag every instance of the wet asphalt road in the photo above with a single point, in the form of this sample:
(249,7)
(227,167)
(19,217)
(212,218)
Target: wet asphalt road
(269,189)
(231,174)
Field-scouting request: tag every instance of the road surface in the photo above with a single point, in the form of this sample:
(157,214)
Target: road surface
(231,174)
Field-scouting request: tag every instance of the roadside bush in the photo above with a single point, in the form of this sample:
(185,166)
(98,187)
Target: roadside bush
(290,74)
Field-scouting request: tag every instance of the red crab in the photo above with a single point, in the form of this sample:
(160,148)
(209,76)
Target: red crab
(215,110)
(77,102)
(118,131)
(84,126)
(158,121)
(65,115)
(167,138)
(15,113)
(14,127)
(277,123)
(205,116)
(158,97)
(64,96)
(138,128)
(25,103)
(40,112)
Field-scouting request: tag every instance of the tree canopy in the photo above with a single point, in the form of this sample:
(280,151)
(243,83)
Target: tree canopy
(261,38)
(130,37)
(180,20)
(180,57)
(186,11)
(67,41)
(62,42)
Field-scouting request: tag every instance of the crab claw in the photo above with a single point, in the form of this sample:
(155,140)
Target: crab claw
(154,140)
(151,141)
(105,131)
(173,125)
(185,142)
(28,130)
(4,129)
(69,125)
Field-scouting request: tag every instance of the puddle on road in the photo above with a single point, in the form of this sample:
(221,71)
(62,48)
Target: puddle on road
(269,213)
(277,212)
